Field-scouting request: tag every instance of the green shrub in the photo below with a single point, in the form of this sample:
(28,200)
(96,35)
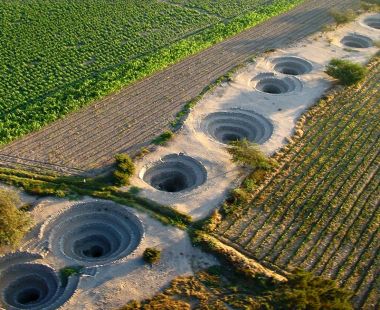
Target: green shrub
(151,255)
(343,17)
(347,72)
(66,272)
(124,170)
(163,138)
(306,291)
(14,223)
(249,154)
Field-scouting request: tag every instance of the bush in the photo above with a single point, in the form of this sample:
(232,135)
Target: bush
(152,255)
(343,17)
(347,72)
(14,223)
(66,272)
(249,154)
(306,291)
(125,169)
(163,138)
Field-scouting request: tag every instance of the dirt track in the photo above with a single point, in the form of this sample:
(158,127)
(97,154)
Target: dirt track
(125,121)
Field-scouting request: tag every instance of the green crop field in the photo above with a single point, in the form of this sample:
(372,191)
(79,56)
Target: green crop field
(320,209)
(57,56)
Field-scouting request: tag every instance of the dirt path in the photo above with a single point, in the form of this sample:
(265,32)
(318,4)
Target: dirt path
(125,121)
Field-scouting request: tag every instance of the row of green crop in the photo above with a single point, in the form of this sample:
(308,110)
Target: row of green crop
(304,194)
(365,223)
(296,151)
(46,45)
(313,217)
(292,195)
(28,114)
(312,145)
(338,207)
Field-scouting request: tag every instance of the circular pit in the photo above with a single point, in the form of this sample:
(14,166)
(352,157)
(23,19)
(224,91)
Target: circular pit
(95,233)
(175,173)
(292,65)
(357,41)
(373,22)
(276,85)
(29,286)
(232,125)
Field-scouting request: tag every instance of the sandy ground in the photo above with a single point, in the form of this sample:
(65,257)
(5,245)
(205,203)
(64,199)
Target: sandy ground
(281,110)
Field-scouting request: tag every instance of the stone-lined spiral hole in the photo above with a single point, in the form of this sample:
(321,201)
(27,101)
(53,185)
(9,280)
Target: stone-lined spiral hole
(373,22)
(29,286)
(291,65)
(94,246)
(272,84)
(357,41)
(175,173)
(233,125)
(95,233)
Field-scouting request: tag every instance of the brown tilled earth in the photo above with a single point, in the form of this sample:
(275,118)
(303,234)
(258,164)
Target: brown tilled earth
(87,140)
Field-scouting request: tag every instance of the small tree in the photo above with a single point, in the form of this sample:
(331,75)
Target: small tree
(124,170)
(347,72)
(249,154)
(151,255)
(14,223)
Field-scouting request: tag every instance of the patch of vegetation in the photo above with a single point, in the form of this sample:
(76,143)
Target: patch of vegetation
(163,138)
(343,17)
(124,170)
(66,272)
(14,223)
(347,72)
(249,154)
(151,255)
(104,47)
(99,187)
(370,5)
(303,290)
(219,288)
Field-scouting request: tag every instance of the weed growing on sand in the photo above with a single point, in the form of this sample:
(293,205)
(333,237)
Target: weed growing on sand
(249,154)
(124,170)
(151,255)
(163,138)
